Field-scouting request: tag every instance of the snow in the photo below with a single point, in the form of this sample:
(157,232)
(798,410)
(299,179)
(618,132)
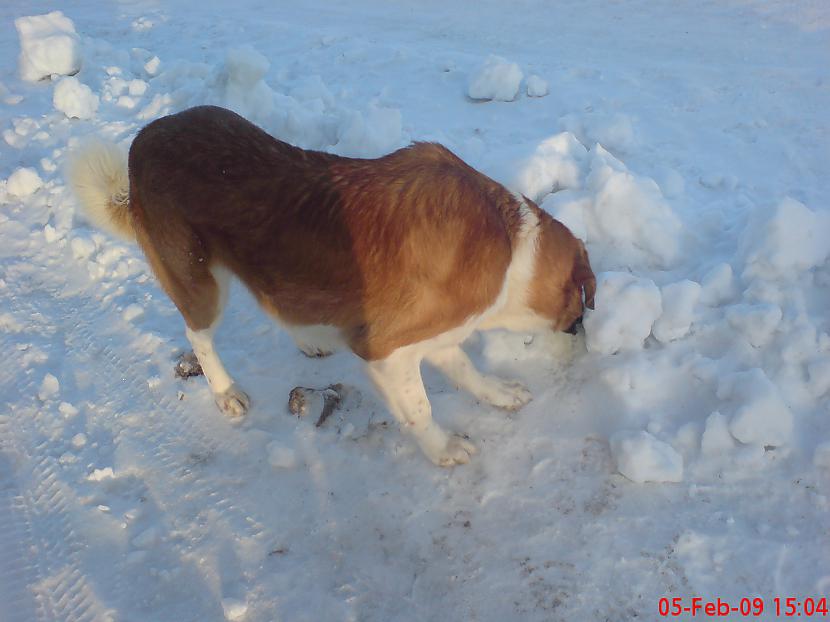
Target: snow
(75,99)
(536,86)
(791,240)
(496,79)
(678,303)
(682,440)
(761,416)
(716,439)
(49,46)
(626,308)
(643,458)
(23,182)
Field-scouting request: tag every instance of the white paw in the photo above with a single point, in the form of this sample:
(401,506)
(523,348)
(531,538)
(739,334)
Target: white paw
(233,402)
(456,450)
(507,394)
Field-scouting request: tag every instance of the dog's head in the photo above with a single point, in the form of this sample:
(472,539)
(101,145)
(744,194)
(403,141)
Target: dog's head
(563,283)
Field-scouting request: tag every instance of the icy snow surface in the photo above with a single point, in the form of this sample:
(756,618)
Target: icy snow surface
(686,143)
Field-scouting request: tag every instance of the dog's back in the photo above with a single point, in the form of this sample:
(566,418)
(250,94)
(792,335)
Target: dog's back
(368,246)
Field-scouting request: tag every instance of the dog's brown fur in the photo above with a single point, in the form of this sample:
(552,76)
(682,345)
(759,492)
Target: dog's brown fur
(392,251)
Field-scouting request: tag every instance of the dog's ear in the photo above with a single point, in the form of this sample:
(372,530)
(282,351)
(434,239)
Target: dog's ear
(583,276)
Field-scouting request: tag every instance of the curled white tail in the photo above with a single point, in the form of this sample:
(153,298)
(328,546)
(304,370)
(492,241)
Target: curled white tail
(97,173)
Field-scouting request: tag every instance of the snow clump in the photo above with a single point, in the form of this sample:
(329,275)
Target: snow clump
(75,99)
(556,163)
(23,182)
(626,308)
(679,300)
(49,45)
(497,78)
(536,86)
(628,216)
(642,458)
(761,416)
(793,239)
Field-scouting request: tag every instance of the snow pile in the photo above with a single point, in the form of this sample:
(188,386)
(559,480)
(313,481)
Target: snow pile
(23,182)
(496,79)
(75,99)
(679,300)
(612,131)
(373,134)
(241,80)
(716,439)
(755,322)
(626,308)
(717,285)
(628,218)
(556,163)
(536,86)
(308,116)
(792,239)
(643,458)
(623,218)
(761,417)
(49,46)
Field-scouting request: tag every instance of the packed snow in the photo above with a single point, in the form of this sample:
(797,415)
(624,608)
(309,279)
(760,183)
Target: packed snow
(496,79)
(74,99)
(49,46)
(681,440)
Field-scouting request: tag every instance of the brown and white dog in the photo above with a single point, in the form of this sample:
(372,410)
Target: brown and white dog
(399,258)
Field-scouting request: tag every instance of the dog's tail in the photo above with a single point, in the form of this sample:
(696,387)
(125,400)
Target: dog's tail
(97,173)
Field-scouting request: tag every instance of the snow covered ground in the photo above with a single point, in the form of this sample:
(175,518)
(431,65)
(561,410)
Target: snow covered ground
(680,448)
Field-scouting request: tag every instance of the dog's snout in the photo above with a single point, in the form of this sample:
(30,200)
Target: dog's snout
(571,330)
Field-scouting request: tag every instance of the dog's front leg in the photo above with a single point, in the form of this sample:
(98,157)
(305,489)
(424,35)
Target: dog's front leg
(457,366)
(398,380)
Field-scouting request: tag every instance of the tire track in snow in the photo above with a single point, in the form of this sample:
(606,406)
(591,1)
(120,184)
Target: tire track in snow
(41,567)
(170,470)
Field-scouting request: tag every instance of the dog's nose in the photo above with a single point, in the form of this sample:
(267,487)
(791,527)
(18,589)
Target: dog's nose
(571,330)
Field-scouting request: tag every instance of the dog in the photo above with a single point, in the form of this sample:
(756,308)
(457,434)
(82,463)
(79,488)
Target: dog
(398,258)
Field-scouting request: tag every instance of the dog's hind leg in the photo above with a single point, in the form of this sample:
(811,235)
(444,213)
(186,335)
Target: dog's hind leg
(199,289)
(398,380)
(229,398)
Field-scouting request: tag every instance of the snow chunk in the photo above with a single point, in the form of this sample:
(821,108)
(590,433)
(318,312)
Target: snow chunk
(679,300)
(717,285)
(75,99)
(234,608)
(49,387)
(48,45)
(716,438)
(642,458)
(629,217)
(755,322)
(792,240)
(626,308)
(99,475)
(497,79)
(818,373)
(821,456)
(761,416)
(613,131)
(373,135)
(242,79)
(23,182)
(536,86)
(281,457)
(132,312)
(556,163)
